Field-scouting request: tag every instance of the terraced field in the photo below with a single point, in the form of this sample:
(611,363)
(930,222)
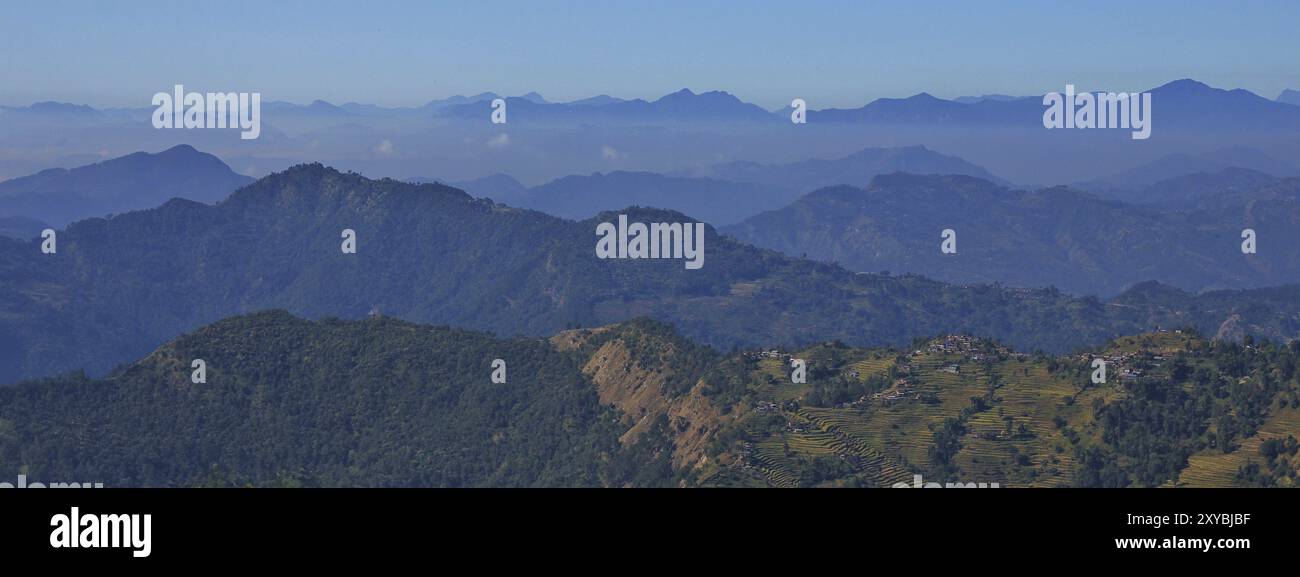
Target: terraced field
(1032,397)
(1032,408)
(1213,468)
(776,457)
(772,381)
(882,470)
(770,459)
(871,367)
(891,440)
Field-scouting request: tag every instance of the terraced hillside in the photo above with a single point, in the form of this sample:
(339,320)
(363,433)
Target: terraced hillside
(962,409)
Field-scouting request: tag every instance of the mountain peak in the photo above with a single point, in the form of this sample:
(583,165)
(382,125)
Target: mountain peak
(535,98)
(1185,86)
(923,97)
(184,155)
(687,94)
(314,182)
(682,95)
(318,103)
(126,183)
(181,149)
(645,214)
(597,100)
(62,109)
(312,169)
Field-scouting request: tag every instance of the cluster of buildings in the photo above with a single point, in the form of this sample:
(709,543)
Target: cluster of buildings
(900,391)
(970,347)
(766,408)
(1123,364)
(951,344)
(769,354)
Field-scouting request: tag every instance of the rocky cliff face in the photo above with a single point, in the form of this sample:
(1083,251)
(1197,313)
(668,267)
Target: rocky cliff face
(643,388)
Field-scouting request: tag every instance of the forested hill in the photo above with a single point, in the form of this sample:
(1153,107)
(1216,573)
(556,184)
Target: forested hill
(377,402)
(384,402)
(118,287)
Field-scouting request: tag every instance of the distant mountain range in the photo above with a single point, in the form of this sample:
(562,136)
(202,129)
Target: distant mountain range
(580,197)
(544,140)
(316,108)
(720,194)
(1182,103)
(681,106)
(1129,185)
(855,169)
(141,180)
(1057,236)
(323,108)
(119,287)
(1185,103)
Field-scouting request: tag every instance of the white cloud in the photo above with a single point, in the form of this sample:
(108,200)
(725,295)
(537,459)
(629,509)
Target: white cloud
(385,148)
(499,140)
(608,152)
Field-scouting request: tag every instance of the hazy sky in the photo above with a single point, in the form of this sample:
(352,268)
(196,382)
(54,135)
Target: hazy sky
(831,53)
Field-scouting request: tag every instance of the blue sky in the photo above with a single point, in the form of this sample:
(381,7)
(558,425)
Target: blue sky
(831,53)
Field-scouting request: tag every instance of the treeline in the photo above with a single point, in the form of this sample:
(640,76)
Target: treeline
(290,402)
